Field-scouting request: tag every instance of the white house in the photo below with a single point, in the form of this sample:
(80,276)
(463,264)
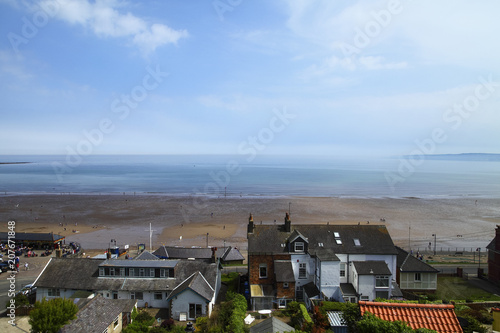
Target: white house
(149,281)
(328,261)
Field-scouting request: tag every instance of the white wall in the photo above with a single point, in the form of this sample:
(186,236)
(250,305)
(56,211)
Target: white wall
(44,292)
(181,302)
(330,278)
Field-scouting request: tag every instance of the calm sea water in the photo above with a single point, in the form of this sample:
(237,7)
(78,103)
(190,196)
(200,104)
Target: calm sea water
(264,176)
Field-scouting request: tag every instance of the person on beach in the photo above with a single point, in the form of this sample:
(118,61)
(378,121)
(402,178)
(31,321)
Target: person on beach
(17,264)
(26,266)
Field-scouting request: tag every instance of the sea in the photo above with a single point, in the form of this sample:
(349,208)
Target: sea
(250,176)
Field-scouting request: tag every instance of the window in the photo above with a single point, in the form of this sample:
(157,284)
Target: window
(381,281)
(136,295)
(158,296)
(283,303)
(342,269)
(299,293)
(162,272)
(285,285)
(170,272)
(131,272)
(112,271)
(122,271)
(357,242)
(194,311)
(336,234)
(116,322)
(365,298)
(54,292)
(101,271)
(338,241)
(262,271)
(141,271)
(152,272)
(299,246)
(382,294)
(418,277)
(302,271)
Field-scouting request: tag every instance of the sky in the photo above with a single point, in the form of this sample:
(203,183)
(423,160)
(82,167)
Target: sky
(333,78)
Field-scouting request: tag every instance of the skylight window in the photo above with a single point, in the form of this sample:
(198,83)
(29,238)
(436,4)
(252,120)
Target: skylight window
(356,242)
(338,241)
(320,244)
(336,234)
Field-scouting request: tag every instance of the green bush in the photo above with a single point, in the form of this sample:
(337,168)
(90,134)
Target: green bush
(50,316)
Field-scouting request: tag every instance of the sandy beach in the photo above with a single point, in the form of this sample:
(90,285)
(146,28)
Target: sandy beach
(93,220)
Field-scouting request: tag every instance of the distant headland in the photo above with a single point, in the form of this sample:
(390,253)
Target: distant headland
(15,162)
(464,157)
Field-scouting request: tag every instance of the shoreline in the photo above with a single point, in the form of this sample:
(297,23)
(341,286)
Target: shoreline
(126,218)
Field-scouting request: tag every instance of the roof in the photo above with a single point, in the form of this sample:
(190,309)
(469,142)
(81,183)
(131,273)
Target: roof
(347,289)
(262,290)
(271,325)
(325,254)
(311,290)
(373,239)
(440,318)
(409,264)
(335,319)
(174,252)
(140,263)
(232,254)
(197,283)
(283,271)
(33,237)
(98,314)
(371,267)
(146,255)
(69,273)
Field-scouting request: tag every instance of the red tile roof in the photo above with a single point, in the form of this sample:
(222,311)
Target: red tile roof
(440,318)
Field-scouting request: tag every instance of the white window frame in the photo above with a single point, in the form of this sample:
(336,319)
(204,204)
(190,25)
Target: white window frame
(54,292)
(162,272)
(142,272)
(156,294)
(116,322)
(131,272)
(285,285)
(302,270)
(101,271)
(299,247)
(379,279)
(342,269)
(262,265)
(152,272)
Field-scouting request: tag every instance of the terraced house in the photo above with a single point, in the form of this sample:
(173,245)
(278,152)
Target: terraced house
(344,263)
(188,288)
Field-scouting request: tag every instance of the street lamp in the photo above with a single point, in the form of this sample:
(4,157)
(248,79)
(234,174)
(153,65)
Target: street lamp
(434,243)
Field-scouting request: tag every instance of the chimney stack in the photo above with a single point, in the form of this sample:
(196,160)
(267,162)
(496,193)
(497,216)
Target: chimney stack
(213,259)
(251,225)
(288,223)
(497,238)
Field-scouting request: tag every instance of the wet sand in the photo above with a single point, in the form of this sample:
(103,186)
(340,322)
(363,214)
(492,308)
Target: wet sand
(93,220)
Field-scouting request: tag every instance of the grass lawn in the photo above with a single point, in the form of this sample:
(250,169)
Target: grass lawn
(455,288)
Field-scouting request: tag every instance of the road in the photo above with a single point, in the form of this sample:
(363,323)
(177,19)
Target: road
(467,268)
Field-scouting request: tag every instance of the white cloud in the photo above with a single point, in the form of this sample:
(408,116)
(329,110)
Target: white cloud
(105,18)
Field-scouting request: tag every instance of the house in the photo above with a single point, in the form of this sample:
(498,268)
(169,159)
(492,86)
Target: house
(494,258)
(148,281)
(318,261)
(271,325)
(102,315)
(414,274)
(437,317)
(227,255)
(35,240)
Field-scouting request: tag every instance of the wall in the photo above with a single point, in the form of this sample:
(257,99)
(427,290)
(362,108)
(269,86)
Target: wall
(181,302)
(253,267)
(44,292)
(428,281)
(329,278)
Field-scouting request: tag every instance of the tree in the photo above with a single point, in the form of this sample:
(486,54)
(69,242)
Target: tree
(50,316)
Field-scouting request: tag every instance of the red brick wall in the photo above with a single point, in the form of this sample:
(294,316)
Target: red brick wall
(286,293)
(253,267)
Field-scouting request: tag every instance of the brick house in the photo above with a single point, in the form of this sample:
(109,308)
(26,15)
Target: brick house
(319,261)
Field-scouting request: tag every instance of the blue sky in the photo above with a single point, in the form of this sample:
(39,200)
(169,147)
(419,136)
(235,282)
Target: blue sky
(281,77)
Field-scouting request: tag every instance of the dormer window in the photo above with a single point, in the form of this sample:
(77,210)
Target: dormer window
(299,246)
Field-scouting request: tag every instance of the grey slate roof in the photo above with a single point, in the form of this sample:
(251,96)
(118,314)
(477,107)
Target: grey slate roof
(173,252)
(82,274)
(146,255)
(283,271)
(271,325)
(33,236)
(371,267)
(70,273)
(374,239)
(324,254)
(311,290)
(196,283)
(232,254)
(98,314)
(347,289)
(409,264)
(140,263)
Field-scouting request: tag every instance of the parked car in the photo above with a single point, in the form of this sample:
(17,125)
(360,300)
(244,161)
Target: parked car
(4,266)
(27,290)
